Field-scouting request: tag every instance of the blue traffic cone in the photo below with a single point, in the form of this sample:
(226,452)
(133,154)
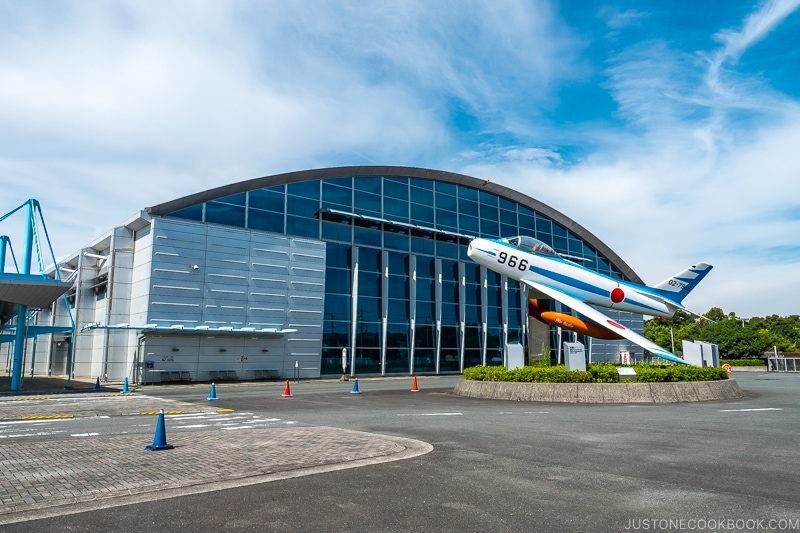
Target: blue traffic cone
(125,389)
(355,387)
(160,438)
(97,385)
(213,395)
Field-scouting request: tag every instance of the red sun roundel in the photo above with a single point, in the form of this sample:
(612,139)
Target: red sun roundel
(617,295)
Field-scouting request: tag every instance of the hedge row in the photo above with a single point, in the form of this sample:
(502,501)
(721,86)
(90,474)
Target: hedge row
(595,373)
(743,362)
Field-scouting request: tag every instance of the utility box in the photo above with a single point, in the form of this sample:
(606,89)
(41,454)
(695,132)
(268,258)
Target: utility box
(626,373)
(574,356)
(515,356)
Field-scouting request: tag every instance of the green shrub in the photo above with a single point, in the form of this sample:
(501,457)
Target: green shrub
(596,373)
(743,362)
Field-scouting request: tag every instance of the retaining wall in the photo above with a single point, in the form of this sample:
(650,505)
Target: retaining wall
(694,391)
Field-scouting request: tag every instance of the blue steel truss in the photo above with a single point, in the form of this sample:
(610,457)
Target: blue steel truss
(34,225)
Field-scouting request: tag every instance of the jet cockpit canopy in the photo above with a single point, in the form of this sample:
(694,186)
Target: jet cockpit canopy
(531,245)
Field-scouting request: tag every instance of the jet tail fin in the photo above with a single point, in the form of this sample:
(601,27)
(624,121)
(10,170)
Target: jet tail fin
(680,285)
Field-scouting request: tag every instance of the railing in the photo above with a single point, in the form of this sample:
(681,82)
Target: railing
(783,364)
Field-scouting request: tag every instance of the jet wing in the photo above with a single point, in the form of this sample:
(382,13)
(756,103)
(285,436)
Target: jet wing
(603,320)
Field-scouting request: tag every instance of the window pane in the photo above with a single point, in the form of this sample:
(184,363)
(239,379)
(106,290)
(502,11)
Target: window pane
(235,199)
(341,182)
(490,229)
(468,208)
(422,215)
(422,196)
(393,189)
(490,213)
(194,212)
(337,255)
(487,199)
(398,311)
(449,337)
(422,184)
(468,225)
(368,334)
(395,241)
(472,358)
(369,309)
(446,249)
(267,199)
(369,284)
(398,286)
(398,263)
(302,207)
(265,220)
(448,360)
(424,360)
(527,225)
(423,337)
(397,360)
(366,203)
(369,259)
(395,209)
(467,194)
(217,213)
(445,188)
(302,226)
(446,219)
(425,289)
(397,335)
(306,189)
(425,313)
(426,268)
(337,232)
(366,237)
(368,360)
(337,195)
(337,307)
(337,281)
(508,217)
(368,184)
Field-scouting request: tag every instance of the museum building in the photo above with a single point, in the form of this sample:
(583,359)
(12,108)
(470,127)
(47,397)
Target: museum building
(274,277)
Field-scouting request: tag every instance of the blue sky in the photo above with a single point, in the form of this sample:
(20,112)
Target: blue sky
(671,130)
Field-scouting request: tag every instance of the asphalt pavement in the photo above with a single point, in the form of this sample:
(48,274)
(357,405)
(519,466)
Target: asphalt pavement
(390,459)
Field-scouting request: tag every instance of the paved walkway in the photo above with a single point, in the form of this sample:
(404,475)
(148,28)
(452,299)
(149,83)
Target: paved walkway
(56,476)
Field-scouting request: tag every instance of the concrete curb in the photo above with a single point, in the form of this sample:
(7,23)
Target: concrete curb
(678,392)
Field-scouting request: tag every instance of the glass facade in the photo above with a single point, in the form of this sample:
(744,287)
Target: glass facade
(399,287)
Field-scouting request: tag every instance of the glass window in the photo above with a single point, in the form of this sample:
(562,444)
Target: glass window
(234,199)
(466,193)
(395,241)
(425,313)
(508,217)
(468,208)
(449,361)
(426,268)
(303,227)
(450,291)
(422,215)
(422,196)
(508,231)
(472,315)
(337,195)
(341,182)
(368,360)
(422,246)
(468,225)
(472,271)
(366,237)
(490,213)
(494,315)
(527,225)
(398,312)
(395,209)
(543,225)
(398,286)
(559,230)
(368,184)
(336,334)
(422,184)
(337,232)
(425,289)
(302,207)
(218,213)
(392,189)
(337,255)
(368,333)
(490,228)
(337,281)
(487,199)
(194,212)
(472,338)
(446,249)
(397,359)
(446,203)
(367,204)
(507,204)
(423,336)
(306,189)
(445,188)
(265,220)
(267,199)
(424,360)
(449,337)
(369,309)
(337,307)
(369,260)
(369,284)
(472,358)
(449,313)
(398,263)
(446,219)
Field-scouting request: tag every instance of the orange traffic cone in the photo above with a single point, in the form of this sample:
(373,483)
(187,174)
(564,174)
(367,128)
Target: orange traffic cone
(286,392)
(415,388)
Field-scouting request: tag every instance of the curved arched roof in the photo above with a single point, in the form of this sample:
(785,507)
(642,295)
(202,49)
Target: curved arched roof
(409,172)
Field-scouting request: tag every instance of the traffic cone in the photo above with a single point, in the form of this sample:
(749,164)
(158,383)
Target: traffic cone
(97,385)
(125,389)
(355,387)
(160,438)
(286,392)
(213,395)
(415,388)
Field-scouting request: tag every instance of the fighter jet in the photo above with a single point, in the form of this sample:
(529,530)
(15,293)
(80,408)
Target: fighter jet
(550,275)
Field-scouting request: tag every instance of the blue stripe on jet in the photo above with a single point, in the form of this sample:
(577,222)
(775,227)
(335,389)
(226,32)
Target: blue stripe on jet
(487,252)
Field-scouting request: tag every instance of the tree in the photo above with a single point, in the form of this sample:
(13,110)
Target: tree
(734,341)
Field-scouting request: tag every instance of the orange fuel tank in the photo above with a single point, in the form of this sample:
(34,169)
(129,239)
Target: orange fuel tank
(569,322)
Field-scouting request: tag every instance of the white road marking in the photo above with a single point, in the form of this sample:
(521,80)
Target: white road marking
(84,435)
(431,414)
(744,410)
